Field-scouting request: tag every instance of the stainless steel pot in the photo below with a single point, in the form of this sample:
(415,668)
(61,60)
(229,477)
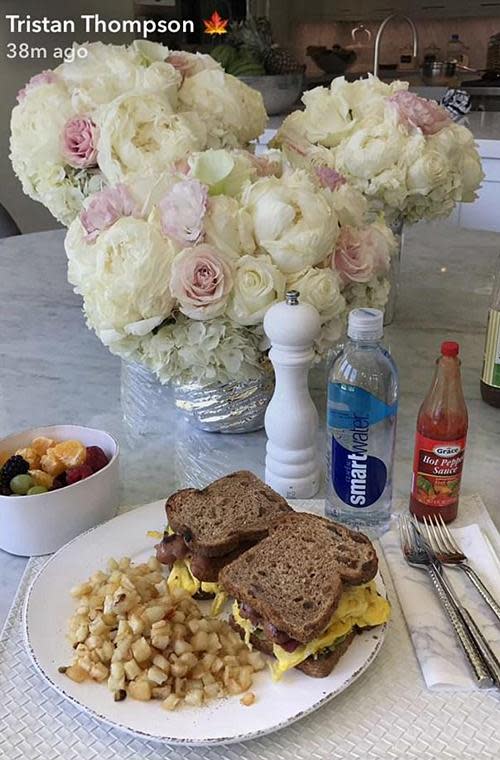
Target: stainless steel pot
(438,73)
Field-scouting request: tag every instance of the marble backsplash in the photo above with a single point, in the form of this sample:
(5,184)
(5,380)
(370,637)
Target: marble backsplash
(474,33)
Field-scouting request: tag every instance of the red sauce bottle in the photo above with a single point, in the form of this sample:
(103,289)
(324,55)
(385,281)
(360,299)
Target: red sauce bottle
(440,441)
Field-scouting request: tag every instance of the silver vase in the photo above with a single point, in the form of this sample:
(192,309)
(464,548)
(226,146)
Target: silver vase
(234,407)
(397,227)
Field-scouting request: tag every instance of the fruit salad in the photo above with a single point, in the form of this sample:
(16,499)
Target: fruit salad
(46,465)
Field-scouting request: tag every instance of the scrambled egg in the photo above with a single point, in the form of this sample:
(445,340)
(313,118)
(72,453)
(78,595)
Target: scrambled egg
(182,577)
(359,605)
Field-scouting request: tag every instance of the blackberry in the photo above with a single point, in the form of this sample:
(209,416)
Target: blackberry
(16,465)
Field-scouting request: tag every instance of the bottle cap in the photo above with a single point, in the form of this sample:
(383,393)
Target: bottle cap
(449,348)
(365,324)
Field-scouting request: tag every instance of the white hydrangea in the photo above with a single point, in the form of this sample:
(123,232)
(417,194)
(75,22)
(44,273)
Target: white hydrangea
(203,352)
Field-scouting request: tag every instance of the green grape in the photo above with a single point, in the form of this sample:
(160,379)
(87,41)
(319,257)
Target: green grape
(37,489)
(21,484)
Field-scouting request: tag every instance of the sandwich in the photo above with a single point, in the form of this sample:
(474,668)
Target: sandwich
(303,592)
(211,527)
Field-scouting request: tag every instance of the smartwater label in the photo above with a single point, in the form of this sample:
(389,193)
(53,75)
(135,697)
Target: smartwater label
(361,443)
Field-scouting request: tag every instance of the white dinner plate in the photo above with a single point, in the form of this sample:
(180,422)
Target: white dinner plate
(49,606)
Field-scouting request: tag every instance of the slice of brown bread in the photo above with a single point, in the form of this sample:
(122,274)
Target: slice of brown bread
(217,519)
(295,577)
(319,668)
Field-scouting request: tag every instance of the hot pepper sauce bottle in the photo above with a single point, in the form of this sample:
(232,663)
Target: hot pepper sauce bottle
(440,441)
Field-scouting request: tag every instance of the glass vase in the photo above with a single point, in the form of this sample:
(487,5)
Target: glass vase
(397,227)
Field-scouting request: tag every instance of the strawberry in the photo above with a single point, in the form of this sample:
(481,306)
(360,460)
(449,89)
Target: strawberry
(96,458)
(75,474)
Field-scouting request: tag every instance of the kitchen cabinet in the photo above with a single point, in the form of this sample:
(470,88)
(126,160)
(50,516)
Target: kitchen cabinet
(342,10)
(484,213)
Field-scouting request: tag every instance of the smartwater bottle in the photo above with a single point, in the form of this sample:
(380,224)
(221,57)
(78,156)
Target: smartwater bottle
(361,427)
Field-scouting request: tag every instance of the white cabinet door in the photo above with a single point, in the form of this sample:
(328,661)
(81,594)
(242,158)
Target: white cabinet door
(484,213)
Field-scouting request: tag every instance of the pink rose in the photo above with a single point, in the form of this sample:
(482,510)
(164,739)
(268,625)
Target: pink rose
(45,77)
(80,142)
(182,211)
(184,63)
(105,208)
(330,177)
(201,282)
(420,113)
(362,254)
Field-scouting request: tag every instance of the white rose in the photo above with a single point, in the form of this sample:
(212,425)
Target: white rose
(233,112)
(258,284)
(228,227)
(293,220)
(124,276)
(140,133)
(321,288)
(428,172)
(472,176)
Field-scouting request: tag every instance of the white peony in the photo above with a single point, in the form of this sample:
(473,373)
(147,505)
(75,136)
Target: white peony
(373,148)
(232,111)
(326,120)
(258,284)
(293,220)
(228,227)
(108,71)
(141,133)
(321,288)
(124,276)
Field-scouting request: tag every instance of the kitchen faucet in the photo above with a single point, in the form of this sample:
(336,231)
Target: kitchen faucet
(378,38)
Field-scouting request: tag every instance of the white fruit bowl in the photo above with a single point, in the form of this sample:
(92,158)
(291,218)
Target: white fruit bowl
(42,523)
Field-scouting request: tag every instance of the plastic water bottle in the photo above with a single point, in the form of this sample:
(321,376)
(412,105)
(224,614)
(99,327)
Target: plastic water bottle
(362,407)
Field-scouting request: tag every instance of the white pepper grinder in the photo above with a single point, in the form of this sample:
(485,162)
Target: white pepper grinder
(291,421)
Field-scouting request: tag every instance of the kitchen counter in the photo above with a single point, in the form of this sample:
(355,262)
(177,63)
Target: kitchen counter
(54,370)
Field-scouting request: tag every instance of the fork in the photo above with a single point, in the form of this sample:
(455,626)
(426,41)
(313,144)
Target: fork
(449,552)
(416,555)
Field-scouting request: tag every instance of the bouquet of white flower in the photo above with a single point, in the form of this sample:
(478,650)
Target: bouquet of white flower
(178,268)
(401,151)
(121,110)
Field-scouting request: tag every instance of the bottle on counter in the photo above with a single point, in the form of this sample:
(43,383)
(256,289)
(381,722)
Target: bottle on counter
(456,51)
(440,441)
(490,376)
(363,390)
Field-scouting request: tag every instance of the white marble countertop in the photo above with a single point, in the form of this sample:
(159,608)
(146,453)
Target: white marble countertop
(53,370)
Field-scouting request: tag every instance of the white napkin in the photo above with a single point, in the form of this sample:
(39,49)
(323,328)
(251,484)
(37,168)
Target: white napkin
(440,656)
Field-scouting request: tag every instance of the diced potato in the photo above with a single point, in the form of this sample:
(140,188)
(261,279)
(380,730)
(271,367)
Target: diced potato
(76,673)
(140,690)
(141,650)
(171,702)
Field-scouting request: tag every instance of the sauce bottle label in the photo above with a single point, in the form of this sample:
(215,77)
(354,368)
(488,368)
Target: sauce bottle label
(362,428)
(437,470)
(491,364)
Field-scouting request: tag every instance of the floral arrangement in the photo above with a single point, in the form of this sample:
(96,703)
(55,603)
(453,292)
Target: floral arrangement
(116,111)
(178,268)
(403,152)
